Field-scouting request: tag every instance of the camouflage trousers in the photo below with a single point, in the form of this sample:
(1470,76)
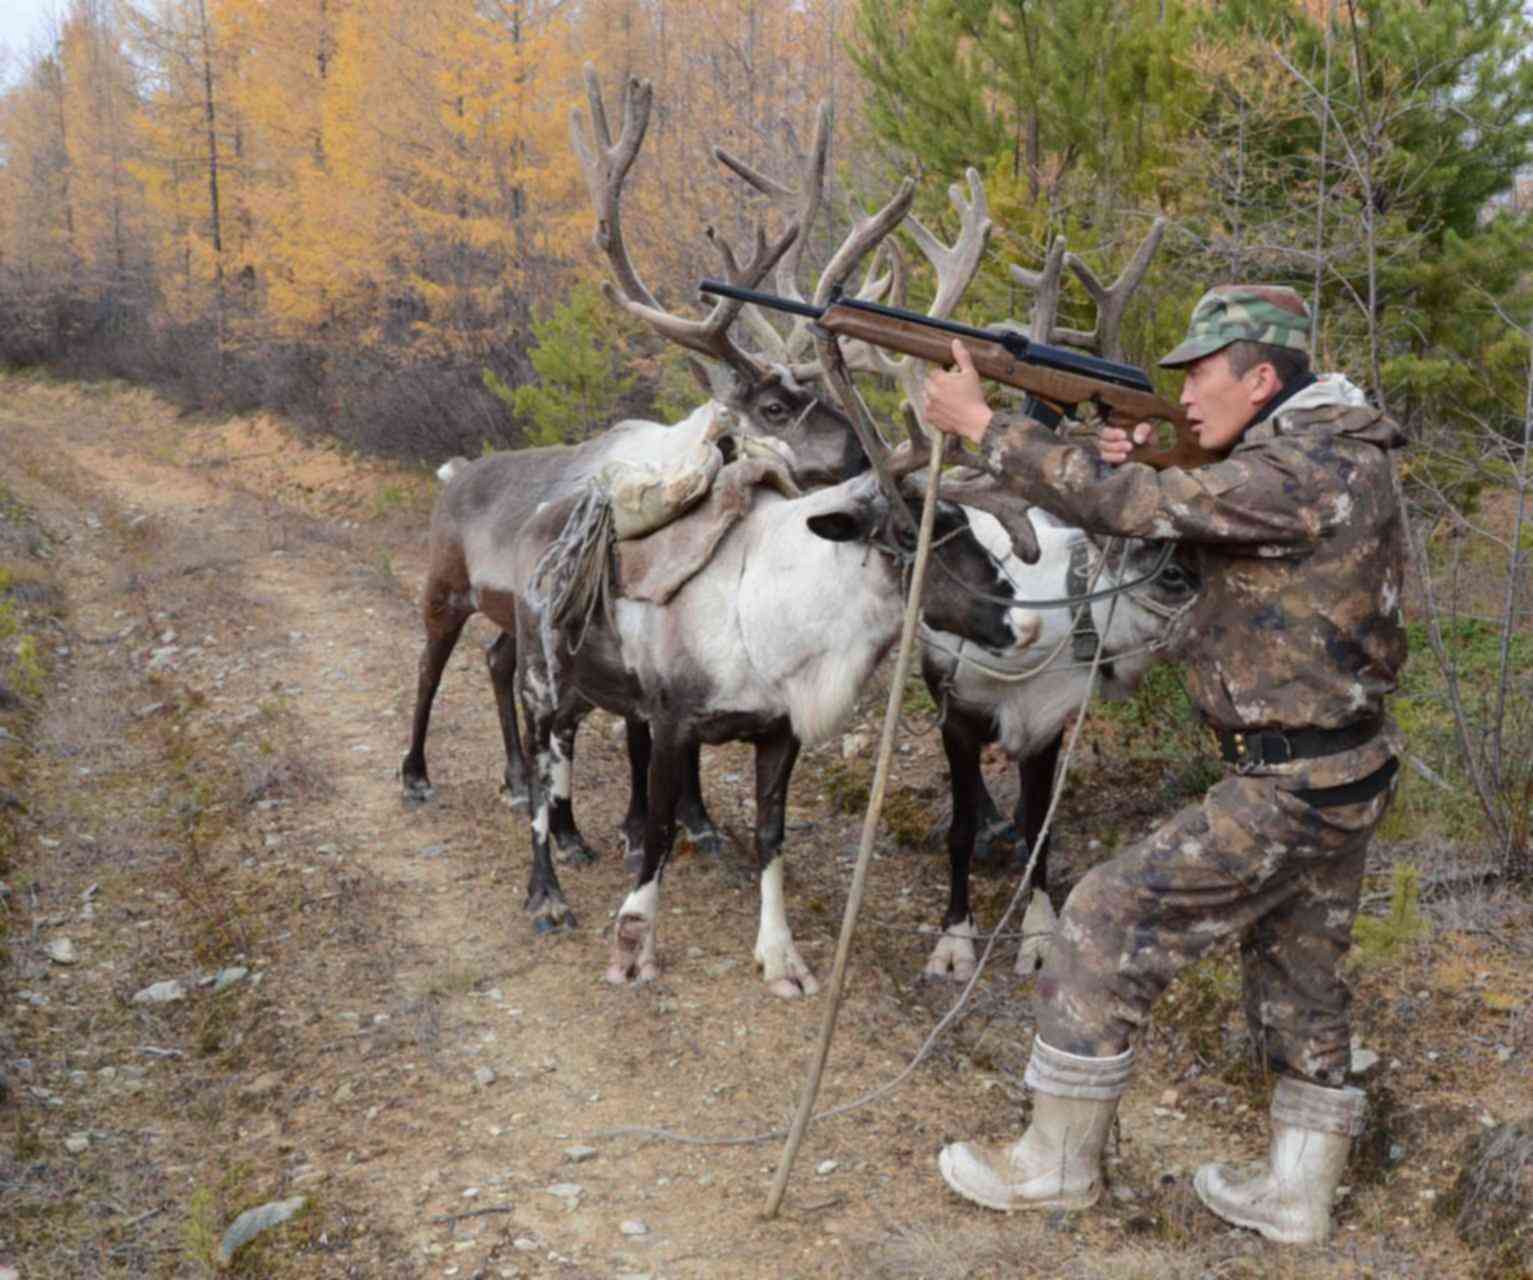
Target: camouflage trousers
(1251,860)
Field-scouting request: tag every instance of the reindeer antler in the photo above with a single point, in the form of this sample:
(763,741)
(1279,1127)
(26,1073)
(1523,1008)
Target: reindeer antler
(955,265)
(606,166)
(803,203)
(1105,338)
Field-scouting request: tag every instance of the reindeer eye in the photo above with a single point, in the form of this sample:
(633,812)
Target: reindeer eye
(774,409)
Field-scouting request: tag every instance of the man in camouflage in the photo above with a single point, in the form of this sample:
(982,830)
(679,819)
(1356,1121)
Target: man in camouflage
(1293,645)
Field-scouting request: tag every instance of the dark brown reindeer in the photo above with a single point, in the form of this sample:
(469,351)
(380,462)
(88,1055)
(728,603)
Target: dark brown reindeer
(501,492)
(775,389)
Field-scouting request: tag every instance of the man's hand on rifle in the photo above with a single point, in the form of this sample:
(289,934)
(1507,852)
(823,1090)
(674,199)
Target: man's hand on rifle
(1115,444)
(955,400)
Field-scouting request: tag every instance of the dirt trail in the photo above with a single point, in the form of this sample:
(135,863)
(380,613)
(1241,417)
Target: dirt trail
(402,1052)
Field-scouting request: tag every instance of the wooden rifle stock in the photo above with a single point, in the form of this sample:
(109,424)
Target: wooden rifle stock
(1119,406)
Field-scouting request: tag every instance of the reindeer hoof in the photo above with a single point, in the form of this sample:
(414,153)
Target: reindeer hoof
(575,853)
(417,793)
(545,925)
(550,915)
(997,848)
(515,797)
(794,988)
(945,971)
(633,951)
(707,842)
(620,975)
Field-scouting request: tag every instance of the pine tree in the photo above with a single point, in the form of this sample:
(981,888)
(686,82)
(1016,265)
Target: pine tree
(580,354)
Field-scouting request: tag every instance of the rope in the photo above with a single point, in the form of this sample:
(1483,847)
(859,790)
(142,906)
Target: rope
(573,576)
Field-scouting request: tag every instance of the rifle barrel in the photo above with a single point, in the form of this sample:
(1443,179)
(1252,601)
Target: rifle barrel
(720,289)
(1037,353)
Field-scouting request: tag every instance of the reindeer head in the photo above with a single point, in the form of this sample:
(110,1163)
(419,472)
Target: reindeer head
(966,592)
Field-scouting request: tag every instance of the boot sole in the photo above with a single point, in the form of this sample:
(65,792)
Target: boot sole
(1236,1219)
(1070,1204)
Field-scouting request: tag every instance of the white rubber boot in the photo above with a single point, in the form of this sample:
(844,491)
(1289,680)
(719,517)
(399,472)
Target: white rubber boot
(1289,1200)
(1057,1163)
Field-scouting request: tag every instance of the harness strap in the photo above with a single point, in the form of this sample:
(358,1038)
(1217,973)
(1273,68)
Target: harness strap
(1352,792)
(1260,747)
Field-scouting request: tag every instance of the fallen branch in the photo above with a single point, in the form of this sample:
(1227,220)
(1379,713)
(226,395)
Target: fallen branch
(474,1213)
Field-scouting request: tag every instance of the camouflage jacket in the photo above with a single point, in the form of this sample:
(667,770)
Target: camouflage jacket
(1297,533)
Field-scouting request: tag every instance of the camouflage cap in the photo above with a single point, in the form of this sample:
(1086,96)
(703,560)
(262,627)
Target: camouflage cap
(1228,313)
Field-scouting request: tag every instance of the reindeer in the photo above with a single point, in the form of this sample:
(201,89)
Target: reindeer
(778,392)
(496,496)
(1124,599)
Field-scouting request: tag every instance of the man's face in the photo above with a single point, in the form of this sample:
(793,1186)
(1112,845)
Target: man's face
(1219,403)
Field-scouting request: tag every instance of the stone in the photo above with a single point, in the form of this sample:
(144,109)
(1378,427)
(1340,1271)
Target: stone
(76,1143)
(485,1077)
(579,1155)
(161,993)
(1363,1061)
(634,1227)
(226,978)
(62,951)
(265,1083)
(826,1166)
(252,1222)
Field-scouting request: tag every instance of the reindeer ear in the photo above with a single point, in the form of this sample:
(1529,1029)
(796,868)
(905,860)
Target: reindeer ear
(839,526)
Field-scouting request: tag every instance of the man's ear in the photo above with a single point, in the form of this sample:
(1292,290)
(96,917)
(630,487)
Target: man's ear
(1265,384)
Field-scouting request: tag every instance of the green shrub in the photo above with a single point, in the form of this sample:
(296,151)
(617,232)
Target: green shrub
(1377,941)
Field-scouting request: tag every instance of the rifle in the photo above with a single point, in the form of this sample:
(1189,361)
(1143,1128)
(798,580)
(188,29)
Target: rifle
(1057,380)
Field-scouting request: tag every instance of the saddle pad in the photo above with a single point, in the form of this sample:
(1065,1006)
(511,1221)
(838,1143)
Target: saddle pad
(655,567)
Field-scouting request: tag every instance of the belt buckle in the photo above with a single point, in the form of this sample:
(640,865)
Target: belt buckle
(1269,757)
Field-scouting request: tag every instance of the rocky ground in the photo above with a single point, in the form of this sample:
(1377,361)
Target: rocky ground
(238,972)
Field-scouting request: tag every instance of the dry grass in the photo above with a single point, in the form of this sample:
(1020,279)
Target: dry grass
(1491,1203)
(216,831)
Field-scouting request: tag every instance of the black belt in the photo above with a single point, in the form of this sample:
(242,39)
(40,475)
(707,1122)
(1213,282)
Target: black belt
(1352,792)
(1279,746)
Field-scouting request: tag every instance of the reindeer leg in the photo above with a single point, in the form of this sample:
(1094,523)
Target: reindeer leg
(782,968)
(1035,776)
(536,685)
(444,619)
(953,957)
(500,658)
(640,750)
(571,847)
(691,815)
(633,933)
(690,810)
(1035,779)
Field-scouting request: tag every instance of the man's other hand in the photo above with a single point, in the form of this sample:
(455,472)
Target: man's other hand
(955,400)
(1115,445)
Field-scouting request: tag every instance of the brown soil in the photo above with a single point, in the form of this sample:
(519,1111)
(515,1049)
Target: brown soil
(236,802)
